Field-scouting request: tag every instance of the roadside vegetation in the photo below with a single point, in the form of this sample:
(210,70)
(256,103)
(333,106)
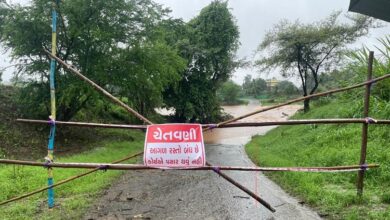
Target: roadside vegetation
(74,198)
(133,49)
(140,54)
(334,194)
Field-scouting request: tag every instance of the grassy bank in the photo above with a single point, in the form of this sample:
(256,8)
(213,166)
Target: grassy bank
(72,199)
(332,194)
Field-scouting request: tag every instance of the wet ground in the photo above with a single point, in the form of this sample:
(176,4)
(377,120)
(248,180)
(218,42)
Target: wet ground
(184,194)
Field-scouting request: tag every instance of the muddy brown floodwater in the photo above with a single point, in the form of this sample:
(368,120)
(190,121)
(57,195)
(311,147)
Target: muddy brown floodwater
(243,135)
(180,194)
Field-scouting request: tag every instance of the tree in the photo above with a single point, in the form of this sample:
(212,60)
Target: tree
(208,43)
(254,87)
(247,84)
(285,88)
(115,43)
(229,93)
(307,50)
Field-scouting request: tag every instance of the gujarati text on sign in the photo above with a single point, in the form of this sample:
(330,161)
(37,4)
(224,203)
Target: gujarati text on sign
(174,146)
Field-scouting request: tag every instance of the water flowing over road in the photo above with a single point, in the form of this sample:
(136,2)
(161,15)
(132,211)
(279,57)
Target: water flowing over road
(173,194)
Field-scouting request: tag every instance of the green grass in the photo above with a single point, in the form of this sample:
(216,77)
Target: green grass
(332,194)
(72,199)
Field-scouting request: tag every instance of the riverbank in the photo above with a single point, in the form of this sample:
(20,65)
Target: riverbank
(330,145)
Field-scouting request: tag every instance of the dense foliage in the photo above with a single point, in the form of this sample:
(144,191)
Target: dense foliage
(229,93)
(208,45)
(112,42)
(130,47)
(254,87)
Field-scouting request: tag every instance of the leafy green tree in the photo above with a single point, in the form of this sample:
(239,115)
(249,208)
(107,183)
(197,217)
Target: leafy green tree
(307,50)
(285,88)
(115,43)
(229,93)
(208,43)
(259,87)
(247,84)
(254,87)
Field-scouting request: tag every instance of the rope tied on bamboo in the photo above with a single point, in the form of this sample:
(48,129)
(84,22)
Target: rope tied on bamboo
(103,168)
(364,167)
(212,126)
(217,170)
(370,120)
(48,162)
(51,121)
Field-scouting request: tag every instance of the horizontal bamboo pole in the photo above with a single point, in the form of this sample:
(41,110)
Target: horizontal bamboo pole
(83,124)
(109,166)
(98,88)
(65,181)
(369,82)
(303,122)
(231,125)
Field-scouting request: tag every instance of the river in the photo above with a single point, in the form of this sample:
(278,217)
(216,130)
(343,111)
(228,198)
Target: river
(243,135)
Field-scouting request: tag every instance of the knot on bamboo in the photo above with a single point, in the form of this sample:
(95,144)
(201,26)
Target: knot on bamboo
(51,121)
(103,167)
(370,120)
(48,162)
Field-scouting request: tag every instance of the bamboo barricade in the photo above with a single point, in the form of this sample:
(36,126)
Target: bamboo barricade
(108,166)
(130,110)
(66,180)
(228,121)
(363,150)
(216,169)
(232,125)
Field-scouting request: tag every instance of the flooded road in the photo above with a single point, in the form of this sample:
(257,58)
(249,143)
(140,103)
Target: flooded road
(243,135)
(180,194)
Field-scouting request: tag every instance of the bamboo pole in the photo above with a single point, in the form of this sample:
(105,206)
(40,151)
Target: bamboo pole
(84,124)
(304,98)
(231,125)
(65,181)
(111,166)
(246,190)
(98,88)
(363,150)
(50,146)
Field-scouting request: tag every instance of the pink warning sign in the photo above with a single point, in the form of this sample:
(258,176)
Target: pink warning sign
(174,146)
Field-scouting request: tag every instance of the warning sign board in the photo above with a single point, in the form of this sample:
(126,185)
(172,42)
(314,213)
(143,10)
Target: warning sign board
(174,146)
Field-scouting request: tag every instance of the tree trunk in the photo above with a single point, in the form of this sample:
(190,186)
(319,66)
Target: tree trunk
(306,105)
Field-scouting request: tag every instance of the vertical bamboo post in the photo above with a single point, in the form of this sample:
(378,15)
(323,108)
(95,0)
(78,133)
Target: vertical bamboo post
(363,150)
(50,146)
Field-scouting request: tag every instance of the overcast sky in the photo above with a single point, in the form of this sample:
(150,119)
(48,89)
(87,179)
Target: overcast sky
(254,18)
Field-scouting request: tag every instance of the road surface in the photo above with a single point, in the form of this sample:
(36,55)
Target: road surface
(157,194)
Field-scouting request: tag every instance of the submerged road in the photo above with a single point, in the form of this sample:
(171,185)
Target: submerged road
(157,194)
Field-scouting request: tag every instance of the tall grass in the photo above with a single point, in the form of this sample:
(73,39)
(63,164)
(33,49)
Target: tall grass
(333,194)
